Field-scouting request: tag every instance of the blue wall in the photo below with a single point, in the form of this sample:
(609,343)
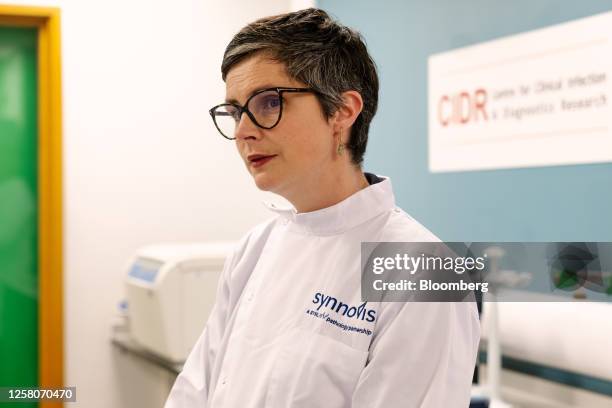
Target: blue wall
(561,203)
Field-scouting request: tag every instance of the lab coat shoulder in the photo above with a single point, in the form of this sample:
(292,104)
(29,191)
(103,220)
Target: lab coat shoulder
(401,227)
(242,260)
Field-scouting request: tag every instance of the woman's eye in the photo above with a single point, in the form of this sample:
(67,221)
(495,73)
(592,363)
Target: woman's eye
(272,102)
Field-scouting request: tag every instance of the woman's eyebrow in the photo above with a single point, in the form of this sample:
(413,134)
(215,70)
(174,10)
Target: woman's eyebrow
(259,88)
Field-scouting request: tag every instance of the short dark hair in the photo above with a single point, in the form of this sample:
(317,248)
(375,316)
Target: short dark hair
(320,52)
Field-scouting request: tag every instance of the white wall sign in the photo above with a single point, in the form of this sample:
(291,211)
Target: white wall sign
(540,98)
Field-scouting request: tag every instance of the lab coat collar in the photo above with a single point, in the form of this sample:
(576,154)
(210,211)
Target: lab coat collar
(352,211)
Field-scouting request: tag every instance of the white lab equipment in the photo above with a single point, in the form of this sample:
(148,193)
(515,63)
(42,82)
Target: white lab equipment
(170,292)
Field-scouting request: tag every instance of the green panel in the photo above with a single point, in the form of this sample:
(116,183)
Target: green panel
(18,209)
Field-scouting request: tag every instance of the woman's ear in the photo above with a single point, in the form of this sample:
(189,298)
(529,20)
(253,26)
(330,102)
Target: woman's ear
(346,115)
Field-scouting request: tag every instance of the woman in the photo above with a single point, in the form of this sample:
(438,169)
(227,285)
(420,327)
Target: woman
(301,91)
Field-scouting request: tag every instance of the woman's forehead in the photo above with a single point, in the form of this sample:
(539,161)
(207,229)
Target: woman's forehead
(253,74)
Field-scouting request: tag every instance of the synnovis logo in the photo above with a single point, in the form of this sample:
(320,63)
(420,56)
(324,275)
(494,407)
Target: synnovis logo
(358,312)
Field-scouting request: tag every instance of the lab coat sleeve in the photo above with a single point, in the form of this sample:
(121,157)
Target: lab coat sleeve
(422,357)
(192,386)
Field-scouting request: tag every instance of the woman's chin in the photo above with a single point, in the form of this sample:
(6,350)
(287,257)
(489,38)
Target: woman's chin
(265,182)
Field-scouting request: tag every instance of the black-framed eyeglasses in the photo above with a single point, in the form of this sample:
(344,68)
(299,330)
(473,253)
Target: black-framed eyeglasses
(264,108)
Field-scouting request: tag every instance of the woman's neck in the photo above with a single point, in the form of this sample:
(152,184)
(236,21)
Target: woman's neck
(325,191)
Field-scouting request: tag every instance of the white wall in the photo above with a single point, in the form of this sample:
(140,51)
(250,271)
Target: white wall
(142,161)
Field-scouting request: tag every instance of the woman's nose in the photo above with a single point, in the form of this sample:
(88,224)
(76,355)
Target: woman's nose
(245,128)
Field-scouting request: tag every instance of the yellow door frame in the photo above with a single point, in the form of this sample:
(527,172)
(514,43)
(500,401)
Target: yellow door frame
(50,260)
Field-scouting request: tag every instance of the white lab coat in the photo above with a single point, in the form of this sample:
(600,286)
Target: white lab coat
(263,348)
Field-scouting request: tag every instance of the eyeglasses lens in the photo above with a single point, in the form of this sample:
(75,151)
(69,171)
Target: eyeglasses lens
(265,107)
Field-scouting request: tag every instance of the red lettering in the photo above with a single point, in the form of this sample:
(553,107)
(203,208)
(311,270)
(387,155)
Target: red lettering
(464,111)
(462,107)
(443,121)
(480,100)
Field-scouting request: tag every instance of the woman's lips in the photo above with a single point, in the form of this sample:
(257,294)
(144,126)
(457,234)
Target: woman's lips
(261,161)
